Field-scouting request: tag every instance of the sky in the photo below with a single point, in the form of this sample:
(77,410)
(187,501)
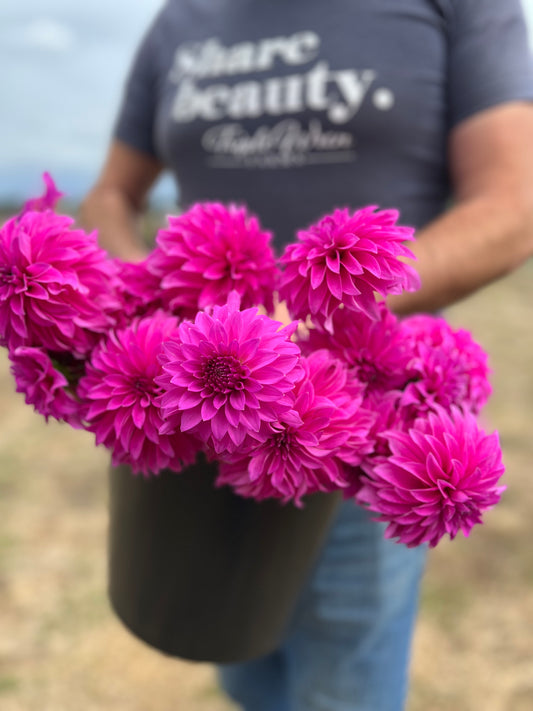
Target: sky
(62,68)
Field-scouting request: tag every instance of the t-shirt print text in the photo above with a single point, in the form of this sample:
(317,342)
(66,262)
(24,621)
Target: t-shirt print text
(337,95)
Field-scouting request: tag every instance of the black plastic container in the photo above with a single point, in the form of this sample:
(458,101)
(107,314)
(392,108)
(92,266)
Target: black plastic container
(203,574)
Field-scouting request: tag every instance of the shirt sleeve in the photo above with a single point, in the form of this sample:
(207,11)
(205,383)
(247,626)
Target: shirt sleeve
(135,121)
(490,59)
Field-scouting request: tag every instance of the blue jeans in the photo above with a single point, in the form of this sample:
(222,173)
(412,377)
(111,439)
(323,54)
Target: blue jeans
(347,648)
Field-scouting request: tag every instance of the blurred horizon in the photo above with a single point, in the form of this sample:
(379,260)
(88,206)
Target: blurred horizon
(66,69)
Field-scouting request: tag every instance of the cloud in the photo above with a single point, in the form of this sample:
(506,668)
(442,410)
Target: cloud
(49,35)
(528,11)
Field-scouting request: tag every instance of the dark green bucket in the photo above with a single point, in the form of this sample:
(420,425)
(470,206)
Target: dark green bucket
(203,574)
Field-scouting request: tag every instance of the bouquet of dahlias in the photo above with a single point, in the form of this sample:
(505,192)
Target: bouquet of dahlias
(175,355)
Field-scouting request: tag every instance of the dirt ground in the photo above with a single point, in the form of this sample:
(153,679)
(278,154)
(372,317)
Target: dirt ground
(61,648)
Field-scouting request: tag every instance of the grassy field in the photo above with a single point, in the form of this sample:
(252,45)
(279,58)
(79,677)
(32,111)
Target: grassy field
(61,649)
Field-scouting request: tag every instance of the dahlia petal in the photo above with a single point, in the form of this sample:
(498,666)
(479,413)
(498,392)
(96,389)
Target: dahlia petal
(262,358)
(232,416)
(138,415)
(237,435)
(334,283)
(318,272)
(351,264)
(371,264)
(238,400)
(219,425)
(256,466)
(136,445)
(434,470)
(188,399)
(248,348)
(208,410)
(316,298)
(333,262)
(251,420)
(219,400)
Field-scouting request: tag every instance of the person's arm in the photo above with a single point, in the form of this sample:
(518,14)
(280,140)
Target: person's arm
(116,202)
(489,230)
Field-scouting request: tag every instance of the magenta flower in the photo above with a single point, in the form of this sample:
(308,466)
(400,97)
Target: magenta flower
(48,200)
(291,462)
(352,431)
(121,398)
(446,368)
(55,285)
(138,291)
(45,386)
(376,350)
(210,251)
(344,259)
(347,434)
(309,448)
(442,475)
(228,373)
(390,416)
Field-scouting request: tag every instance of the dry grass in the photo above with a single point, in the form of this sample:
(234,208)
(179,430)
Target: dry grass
(61,649)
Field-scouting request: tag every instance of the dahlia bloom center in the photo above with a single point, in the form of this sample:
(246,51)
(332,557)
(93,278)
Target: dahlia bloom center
(369,373)
(283,442)
(12,276)
(446,488)
(146,387)
(224,374)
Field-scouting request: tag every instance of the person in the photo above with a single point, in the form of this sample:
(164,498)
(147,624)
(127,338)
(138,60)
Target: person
(294,109)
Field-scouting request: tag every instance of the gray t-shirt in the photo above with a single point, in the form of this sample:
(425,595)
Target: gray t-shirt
(296,107)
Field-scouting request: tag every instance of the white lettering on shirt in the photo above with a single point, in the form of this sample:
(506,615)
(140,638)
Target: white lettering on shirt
(203,60)
(202,93)
(338,93)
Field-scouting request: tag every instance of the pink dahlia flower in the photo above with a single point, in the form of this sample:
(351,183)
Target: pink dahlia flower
(344,259)
(55,285)
(352,432)
(446,368)
(375,350)
(442,475)
(294,460)
(228,373)
(121,398)
(45,385)
(138,291)
(347,434)
(390,416)
(210,251)
(48,200)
